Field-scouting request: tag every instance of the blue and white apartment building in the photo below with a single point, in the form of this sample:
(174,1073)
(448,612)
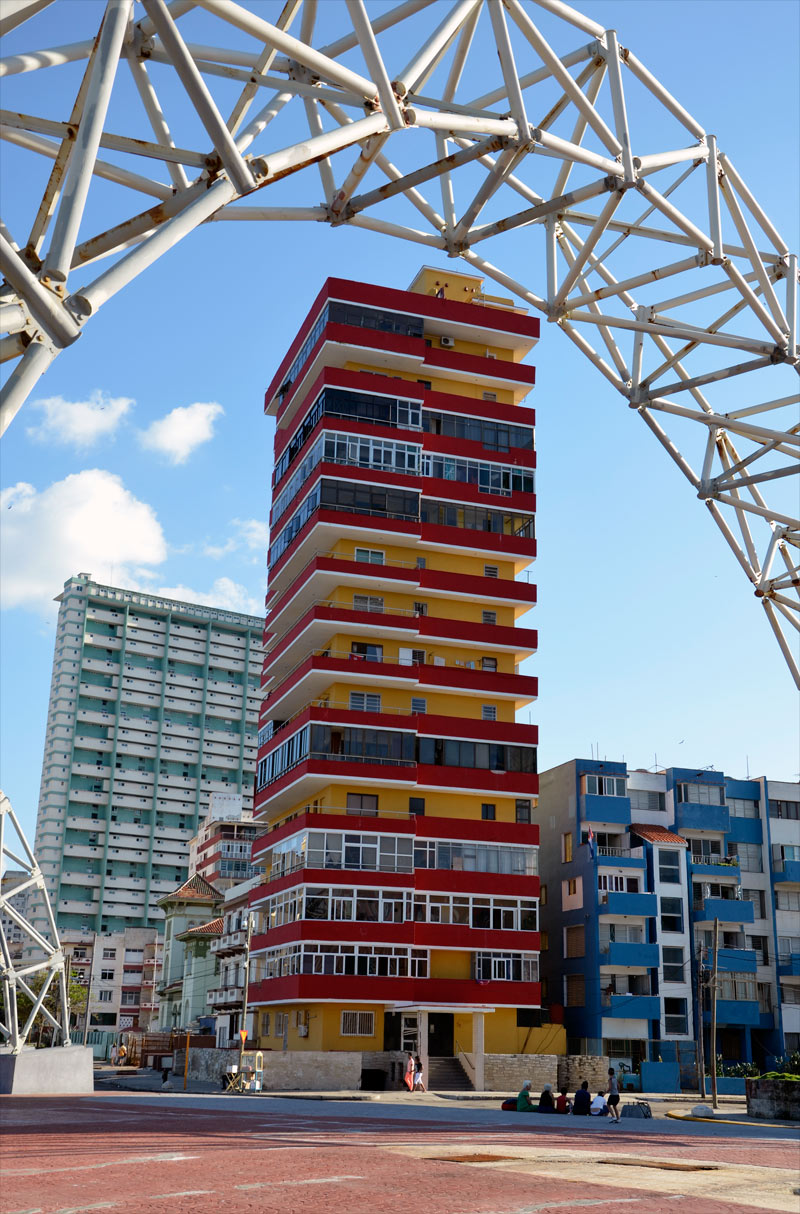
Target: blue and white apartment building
(635,867)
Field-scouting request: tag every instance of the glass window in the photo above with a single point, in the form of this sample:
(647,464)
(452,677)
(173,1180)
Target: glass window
(522,810)
(488,812)
(673,965)
(669,866)
(701,794)
(416,806)
(742,807)
(606,786)
(488,712)
(646,801)
(671,915)
(784,809)
(676,1020)
(749,856)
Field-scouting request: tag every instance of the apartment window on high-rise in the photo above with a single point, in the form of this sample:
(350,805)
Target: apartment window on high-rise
(420,609)
(756,896)
(362,803)
(109,954)
(416,806)
(574,990)
(669,866)
(673,965)
(566,848)
(104,996)
(488,712)
(488,811)
(760,946)
(605,786)
(742,807)
(522,811)
(491,571)
(488,617)
(575,941)
(372,556)
(784,809)
(671,915)
(676,1020)
(748,855)
(700,794)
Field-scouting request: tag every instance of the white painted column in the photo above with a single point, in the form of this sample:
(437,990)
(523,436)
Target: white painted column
(477,1050)
(422,1023)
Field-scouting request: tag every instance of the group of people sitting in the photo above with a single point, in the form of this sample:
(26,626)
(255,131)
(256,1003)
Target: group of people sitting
(604,1104)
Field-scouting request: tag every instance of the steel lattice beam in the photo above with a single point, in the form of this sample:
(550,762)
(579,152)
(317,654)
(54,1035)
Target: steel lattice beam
(668,289)
(43,955)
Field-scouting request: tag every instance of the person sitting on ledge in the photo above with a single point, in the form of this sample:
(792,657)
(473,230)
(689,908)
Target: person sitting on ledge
(546,1102)
(599,1107)
(524,1102)
(563,1102)
(582,1102)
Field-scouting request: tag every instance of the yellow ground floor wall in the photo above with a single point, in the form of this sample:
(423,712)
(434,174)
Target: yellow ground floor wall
(323,1022)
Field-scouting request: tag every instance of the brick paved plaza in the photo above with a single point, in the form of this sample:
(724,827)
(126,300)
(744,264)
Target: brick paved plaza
(146,1154)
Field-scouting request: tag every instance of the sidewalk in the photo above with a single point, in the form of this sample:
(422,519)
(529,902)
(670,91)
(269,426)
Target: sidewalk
(108,1078)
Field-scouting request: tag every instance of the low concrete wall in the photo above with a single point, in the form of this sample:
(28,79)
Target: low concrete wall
(284,1070)
(729,1085)
(508,1072)
(660,1076)
(773,1098)
(574,1068)
(56,1071)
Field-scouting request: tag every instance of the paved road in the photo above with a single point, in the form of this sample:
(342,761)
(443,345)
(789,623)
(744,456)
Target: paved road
(145,1154)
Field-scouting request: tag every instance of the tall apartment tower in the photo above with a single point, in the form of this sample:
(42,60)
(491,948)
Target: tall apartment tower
(399,906)
(153,708)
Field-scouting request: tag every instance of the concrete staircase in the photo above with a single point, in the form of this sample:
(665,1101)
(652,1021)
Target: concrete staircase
(446,1075)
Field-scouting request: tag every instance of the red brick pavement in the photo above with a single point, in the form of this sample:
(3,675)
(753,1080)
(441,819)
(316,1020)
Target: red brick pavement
(70,1156)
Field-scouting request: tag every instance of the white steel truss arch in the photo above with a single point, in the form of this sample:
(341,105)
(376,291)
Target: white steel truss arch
(658,263)
(42,954)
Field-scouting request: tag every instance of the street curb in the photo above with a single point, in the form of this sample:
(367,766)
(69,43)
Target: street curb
(767,1125)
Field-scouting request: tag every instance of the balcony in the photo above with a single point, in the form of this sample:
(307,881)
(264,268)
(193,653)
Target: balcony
(718,867)
(786,871)
(622,857)
(225,996)
(618,903)
(596,808)
(736,1011)
(632,1007)
(230,942)
(689,816)
(737,960)
(625,953)
(727,910)
(789,965)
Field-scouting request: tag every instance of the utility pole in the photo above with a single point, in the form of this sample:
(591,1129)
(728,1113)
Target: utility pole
(89,989)
(701,1060)
(714,1102)
(246,989)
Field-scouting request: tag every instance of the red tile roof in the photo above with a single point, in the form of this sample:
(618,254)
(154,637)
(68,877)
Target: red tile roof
(196,889)
(213,928)
(657,834)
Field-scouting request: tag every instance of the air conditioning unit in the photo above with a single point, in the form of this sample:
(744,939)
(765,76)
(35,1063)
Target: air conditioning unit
(302,1030)
(447,343)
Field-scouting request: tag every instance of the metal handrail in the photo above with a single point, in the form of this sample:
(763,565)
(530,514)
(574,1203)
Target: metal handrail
(451,663)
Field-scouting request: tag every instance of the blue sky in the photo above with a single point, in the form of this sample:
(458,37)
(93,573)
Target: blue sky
(652,646)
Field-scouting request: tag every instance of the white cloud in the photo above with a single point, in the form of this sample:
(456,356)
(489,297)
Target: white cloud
(80,423)
(225,594)
(251,534)
(182,430)
(254,533)
(88,522)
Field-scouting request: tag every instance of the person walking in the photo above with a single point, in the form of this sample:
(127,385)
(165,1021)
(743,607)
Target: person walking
(114,1054)
(419,1086)
(408,1078)
(613,1096)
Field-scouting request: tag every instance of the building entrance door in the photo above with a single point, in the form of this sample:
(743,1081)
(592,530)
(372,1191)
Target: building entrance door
(409,1036)
(441,1035)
